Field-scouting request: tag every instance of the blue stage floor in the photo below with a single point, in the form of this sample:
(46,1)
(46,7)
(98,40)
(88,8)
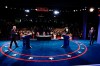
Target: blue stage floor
(50,53)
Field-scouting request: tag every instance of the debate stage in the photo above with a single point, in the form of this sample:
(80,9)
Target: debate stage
(50,53)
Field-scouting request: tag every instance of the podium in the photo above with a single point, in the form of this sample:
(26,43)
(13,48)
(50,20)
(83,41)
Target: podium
(26,41)
(66,41)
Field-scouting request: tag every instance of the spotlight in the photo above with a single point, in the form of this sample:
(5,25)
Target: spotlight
(6,6)
(20,20)
(36,9)
(26,15)
(50,10)
(54,16)
(27,11)
(83,9)
(91,9)
(30,20)
(74,10)
(56,12)
(98,8)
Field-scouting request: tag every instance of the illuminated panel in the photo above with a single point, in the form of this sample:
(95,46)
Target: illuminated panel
(42,9)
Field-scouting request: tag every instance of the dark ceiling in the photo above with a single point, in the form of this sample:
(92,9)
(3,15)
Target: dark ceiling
(50,3)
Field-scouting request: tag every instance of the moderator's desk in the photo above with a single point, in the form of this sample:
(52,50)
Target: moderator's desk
(44,37)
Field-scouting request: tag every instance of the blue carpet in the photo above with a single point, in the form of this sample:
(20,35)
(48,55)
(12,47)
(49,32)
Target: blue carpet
(50,51)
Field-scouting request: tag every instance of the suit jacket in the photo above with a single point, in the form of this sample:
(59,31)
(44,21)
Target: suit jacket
(13,33)
(91,33)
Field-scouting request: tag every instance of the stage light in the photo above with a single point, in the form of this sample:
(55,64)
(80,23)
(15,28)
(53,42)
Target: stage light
(91,9)
(83,9)
(50,10)
(54,16)
(20,20)
(27,11)
(74,10)
(98,8)
(36,9)
(26,15)
(56,12)
(30,20)
(6,6)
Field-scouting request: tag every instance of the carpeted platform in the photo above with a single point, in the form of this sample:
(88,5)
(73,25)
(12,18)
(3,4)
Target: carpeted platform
(50,53)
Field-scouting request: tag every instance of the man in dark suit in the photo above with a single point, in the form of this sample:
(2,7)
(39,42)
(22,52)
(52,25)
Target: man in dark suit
(13,36)
(92,35)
